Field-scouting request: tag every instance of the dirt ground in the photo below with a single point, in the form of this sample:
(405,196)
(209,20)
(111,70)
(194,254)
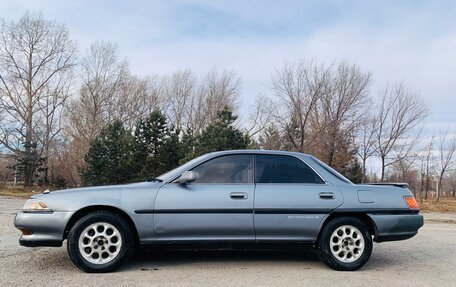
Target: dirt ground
(428,259)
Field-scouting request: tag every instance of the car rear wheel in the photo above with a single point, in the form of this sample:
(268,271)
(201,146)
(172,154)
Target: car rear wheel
(100,242)
(345,244)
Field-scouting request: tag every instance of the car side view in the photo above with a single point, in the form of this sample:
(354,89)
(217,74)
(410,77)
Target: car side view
(240,196)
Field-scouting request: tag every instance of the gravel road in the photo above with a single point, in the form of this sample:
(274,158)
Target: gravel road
(428,259)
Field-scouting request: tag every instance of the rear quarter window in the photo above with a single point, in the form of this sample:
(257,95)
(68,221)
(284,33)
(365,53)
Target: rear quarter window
(331,170)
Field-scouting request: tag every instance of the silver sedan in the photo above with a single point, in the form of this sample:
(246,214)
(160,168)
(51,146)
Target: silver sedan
(228,197)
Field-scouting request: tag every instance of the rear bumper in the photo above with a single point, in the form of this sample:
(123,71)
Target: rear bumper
(47,228)
(392,227)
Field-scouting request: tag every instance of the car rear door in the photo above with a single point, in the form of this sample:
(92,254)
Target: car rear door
(217,206)
(291,200)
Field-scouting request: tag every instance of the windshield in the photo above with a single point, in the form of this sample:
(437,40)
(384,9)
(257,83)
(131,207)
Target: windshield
(331,170)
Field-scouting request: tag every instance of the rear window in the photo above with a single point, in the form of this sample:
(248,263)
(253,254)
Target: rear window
(284,169)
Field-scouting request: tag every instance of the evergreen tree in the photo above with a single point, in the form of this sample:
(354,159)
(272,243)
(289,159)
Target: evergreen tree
(221,135)
(157,146)
(108,159)
(29,161)
(187,146)
(270,139)
(170,153)
(353,171)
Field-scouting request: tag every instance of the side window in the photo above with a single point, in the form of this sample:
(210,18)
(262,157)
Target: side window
(226,169)
(283,169)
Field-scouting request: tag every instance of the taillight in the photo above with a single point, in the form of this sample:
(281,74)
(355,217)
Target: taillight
(411,202)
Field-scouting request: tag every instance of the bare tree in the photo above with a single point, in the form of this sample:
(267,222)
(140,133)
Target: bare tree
(425,158)
(180,91)
(341,110)
(298,87)
(446,149)
(135,98)
(192,104)
(452,183)
(6,173)
(403,170)
(320,108)
(50,119)
(108,92)
(261,117)
(101,74)
(36,56)
(366,140)
(216,91)
(400,114)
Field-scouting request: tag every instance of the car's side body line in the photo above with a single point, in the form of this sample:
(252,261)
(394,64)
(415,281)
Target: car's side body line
(179,211)
(224,210)
(385,211)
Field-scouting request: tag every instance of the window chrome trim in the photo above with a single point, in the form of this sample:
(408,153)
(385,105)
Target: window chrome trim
(254,155)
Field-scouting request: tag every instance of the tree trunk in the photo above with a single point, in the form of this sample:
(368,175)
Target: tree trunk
(363,178)
(383,169)
(28,145)
(439,187)
(422,188)
(28,176)
(427,187)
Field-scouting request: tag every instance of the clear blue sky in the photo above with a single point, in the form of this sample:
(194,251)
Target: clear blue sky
(409,41)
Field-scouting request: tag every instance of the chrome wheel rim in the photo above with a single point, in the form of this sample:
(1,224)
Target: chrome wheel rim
(100,243)
(347,243)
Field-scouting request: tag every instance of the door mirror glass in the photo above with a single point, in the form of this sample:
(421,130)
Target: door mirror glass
(187,177)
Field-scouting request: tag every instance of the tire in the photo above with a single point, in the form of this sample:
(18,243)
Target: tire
(100,242)
(345,244)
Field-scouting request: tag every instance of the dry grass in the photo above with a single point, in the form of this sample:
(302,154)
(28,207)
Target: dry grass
(20,192)
(445,204)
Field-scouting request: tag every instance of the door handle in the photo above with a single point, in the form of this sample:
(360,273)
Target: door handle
(327,195)
(238,195)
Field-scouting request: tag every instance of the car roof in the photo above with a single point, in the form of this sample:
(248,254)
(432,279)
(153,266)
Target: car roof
(258,151)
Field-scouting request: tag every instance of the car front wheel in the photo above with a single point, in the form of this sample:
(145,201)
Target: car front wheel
(345,244)
(100,242)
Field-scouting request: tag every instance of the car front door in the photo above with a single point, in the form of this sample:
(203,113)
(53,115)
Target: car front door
(217,205)
(291,200)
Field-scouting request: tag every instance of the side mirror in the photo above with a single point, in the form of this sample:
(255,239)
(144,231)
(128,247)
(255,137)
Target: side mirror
(187,177)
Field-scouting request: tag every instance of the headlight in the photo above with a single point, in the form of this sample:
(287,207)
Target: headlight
(36,205)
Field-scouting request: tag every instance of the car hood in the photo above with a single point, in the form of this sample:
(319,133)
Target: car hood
(104,188)
(109,195)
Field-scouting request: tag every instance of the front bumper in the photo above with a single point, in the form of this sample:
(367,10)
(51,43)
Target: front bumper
(47,228)
(392,227)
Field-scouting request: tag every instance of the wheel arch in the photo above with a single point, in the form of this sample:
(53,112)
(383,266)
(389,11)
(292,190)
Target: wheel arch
(366,219)
(96,208)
